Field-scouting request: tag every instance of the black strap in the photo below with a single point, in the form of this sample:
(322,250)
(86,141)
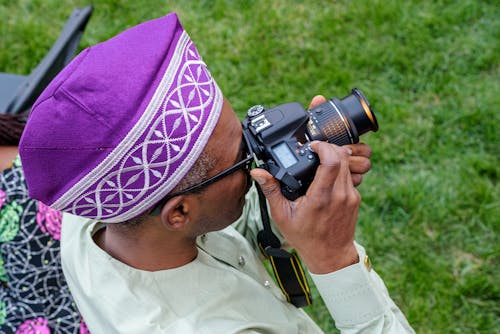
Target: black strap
(286,266)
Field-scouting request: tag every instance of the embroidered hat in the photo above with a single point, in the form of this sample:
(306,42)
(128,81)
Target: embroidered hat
(122,124)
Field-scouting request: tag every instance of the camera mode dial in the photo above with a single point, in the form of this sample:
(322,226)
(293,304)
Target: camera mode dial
(255,110)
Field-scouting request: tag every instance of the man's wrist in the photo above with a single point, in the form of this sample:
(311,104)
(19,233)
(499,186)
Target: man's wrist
(353,294)
(335,260)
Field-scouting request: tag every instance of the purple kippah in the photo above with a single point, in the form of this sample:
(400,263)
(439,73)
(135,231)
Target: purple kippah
(122,124)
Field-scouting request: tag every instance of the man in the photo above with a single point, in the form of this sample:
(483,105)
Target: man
(120,137)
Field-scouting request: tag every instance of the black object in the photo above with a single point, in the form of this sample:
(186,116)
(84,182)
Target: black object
(19,92)
(280,137)
(287,267)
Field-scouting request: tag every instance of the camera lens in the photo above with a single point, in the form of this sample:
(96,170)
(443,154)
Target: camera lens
(341,122)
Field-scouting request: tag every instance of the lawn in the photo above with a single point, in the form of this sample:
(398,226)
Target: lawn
(430,216)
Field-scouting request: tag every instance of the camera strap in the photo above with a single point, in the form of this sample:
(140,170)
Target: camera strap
(286,266)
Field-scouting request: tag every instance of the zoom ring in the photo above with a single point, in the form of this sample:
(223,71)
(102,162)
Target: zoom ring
(331,125)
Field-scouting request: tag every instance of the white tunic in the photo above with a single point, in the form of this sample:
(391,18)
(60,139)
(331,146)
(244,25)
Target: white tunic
(226,289)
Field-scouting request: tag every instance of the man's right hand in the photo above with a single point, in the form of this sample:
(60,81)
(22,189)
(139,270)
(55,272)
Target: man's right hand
(320,225)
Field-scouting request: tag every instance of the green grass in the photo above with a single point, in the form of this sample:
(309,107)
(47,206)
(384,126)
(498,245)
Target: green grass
(430,216)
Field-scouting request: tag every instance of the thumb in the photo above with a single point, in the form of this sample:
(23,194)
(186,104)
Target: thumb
(269,185)
(316,101)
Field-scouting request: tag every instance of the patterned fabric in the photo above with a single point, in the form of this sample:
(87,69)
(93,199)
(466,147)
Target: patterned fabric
(34,297)
(158,151)
(133,115)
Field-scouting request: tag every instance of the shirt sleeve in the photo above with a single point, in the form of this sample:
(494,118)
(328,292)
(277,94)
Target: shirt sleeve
(356,296)
(358,300)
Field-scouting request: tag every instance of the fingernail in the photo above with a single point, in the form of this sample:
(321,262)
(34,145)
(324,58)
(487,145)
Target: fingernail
(311,146)
(349,151)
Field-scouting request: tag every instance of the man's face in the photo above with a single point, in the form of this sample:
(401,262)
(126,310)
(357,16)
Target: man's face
(222,203)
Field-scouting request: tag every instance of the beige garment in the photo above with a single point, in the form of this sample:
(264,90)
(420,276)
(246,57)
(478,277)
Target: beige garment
(226,289)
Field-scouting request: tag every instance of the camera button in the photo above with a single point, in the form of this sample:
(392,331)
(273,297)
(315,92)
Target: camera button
(255,110)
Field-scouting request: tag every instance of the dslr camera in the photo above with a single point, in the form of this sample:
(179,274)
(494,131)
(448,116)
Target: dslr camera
(279,138)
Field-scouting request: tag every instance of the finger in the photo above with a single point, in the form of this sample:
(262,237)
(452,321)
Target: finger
(316,101)
(360,149)
(330,161)
(344,192)
(359,164)
(357,179)
(271,189)
(344,182)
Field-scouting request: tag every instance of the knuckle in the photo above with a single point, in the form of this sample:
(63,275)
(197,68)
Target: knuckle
(331,163)
(320,201)
(340,197)
(344,156)
(270,189)
(350,199)
(332,160)
(355,198)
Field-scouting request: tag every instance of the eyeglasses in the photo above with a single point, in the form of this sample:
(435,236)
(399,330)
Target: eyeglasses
(245,164)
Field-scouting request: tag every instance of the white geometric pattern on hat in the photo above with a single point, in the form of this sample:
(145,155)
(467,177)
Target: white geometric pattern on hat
(160,149)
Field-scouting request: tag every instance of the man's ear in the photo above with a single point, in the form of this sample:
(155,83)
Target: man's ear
(175,214)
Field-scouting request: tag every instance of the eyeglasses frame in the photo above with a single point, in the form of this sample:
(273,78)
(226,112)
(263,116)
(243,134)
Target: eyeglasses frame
(245,164)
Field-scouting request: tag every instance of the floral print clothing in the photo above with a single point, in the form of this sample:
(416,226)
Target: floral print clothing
(34,296)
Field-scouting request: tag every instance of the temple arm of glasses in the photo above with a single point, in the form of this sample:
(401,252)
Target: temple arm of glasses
(157,208)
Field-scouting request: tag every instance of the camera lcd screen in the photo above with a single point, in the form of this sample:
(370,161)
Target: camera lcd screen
(285,155)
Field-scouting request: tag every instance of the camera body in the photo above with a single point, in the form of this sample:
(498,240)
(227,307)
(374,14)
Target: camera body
(278,140)
(280,137)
